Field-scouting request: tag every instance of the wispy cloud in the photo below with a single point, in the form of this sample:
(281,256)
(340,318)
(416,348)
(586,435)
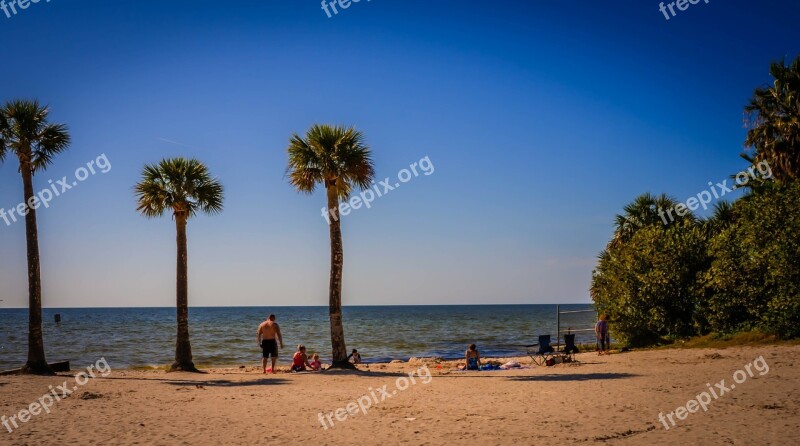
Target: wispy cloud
(173,142)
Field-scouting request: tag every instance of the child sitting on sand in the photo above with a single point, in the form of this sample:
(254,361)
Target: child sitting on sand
(316,365)
(355,356)
(300,360)
(473,358)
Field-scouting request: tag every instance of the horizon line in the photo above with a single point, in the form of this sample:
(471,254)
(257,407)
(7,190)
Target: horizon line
(303,306)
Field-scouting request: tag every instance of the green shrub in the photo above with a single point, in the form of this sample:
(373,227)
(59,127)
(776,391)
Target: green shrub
(648,285)
(754,278)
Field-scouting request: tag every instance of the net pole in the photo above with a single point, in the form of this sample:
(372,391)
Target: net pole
(558,325)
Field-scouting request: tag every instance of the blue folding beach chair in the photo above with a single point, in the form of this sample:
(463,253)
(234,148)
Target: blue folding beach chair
(542,351)
(569,350)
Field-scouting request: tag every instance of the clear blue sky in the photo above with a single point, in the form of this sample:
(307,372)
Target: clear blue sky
(542,120)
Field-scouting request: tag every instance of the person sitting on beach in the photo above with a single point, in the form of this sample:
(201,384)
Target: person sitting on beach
(601,333)
(300,360)
(267,332)
(316,365)
(473,358)
(355,356)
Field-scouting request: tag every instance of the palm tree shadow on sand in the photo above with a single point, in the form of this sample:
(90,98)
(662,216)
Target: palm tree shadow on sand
(574,377)
(226,383)
(364,373)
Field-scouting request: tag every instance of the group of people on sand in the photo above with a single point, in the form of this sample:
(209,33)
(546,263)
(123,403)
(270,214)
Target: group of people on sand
(473,357)
(269,337)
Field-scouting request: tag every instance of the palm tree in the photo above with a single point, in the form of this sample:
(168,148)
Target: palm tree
(26,133)
(646,210)
(757,178)
(337,158)
(723,216)
(182,187)
(774,121)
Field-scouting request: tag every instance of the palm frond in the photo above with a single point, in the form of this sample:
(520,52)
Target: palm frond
(180,186)
(773,121)
(25,131)
(4,129)
(304,169)
(646,210)
(52,140)
(329,155)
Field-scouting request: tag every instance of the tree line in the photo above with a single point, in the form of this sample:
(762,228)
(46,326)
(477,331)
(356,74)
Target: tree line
(662,279)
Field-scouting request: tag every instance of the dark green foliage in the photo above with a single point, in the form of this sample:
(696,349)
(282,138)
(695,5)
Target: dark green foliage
(648,285)
(736,271)
(754,280)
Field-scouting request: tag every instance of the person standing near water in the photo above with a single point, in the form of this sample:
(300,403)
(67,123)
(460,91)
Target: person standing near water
(268,331)
(601,332)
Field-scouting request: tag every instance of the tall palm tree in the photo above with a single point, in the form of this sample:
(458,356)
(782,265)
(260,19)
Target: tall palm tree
(182,187)
(774,121)
(26,133)
(338,159)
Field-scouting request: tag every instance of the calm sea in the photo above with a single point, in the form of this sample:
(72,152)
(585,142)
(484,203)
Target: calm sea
(132,337)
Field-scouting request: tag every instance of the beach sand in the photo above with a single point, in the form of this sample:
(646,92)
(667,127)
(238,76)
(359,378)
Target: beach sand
(611,399)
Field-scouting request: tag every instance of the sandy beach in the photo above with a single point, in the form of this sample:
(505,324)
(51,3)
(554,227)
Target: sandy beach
(394,188)
(613,399)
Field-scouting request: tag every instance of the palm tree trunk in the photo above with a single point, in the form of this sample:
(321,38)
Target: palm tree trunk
(183,349)
(335,288)
(36,364)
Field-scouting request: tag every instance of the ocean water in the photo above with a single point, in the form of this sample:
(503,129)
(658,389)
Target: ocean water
(226,336)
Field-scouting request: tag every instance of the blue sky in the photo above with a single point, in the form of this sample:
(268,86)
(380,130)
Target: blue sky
(542,120)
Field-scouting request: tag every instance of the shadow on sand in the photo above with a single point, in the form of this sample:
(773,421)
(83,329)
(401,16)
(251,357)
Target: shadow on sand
(365,373)
(573,377)
(199,382)
(225,382)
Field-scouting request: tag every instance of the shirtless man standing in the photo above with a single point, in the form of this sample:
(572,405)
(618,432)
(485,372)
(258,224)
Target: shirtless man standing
(267,332)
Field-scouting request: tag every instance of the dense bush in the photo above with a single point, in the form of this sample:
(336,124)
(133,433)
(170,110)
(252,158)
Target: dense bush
(648,285)
(754,279)
(738,271)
